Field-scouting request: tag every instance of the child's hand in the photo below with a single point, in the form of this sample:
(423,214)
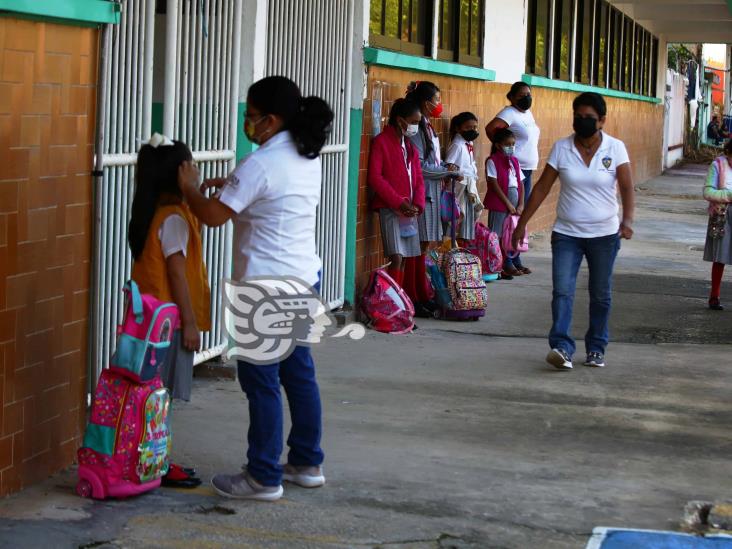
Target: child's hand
(188,177)
(216,182)
(191,337)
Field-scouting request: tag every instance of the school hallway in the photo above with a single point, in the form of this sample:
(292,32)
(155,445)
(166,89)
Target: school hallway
(460,435)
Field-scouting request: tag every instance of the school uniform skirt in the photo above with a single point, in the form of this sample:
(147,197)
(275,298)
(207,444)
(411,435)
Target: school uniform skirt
(496,219)
(392,240)
(719,250)
(430,223)
(177,370)
(467,227)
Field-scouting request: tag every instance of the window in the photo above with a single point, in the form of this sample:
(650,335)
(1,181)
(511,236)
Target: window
(590,42)
(400,25)
(406,25)
(537,60)
(583,48)
(562,38)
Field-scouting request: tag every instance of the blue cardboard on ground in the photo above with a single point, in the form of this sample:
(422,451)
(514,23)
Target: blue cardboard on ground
(645,539)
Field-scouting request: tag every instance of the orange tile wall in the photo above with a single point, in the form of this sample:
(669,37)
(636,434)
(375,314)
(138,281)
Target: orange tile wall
(638,124)
(47,102)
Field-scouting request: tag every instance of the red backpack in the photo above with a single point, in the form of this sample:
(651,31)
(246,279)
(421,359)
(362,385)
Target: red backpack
(488,248)
(385,305)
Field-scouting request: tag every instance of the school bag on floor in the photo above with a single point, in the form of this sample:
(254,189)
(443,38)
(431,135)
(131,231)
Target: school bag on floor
(385,305)
(127,440)
(488,248)
(509,227)
(463,277)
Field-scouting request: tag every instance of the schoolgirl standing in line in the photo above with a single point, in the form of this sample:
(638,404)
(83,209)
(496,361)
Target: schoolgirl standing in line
(434,171)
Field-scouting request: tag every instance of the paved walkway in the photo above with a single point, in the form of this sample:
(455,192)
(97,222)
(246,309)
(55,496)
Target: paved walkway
(459,435)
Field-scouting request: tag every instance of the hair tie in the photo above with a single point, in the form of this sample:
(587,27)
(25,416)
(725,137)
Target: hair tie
(158,140)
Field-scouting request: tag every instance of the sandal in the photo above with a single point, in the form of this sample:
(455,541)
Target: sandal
(524,270)
(179,477)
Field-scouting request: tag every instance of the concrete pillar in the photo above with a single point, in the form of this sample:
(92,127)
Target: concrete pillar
(504,47)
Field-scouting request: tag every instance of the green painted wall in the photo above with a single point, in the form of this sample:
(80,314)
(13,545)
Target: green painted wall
(156,119)
(354,154)
(70,12)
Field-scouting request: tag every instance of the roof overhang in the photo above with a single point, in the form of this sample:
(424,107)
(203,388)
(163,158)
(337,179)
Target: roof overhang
(706,21)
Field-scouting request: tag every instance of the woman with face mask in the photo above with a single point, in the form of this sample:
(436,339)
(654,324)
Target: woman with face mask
(517,117)
(505,194)
(395,177)
(591,166)
(427,96)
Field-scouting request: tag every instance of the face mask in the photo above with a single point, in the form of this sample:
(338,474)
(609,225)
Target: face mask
(411,130)
(437,111)
(508,151)
(524,103)
(585,127)
(470,135)
(250,129)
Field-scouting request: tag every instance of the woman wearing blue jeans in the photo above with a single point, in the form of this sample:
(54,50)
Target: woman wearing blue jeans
(272,198)
(591,166)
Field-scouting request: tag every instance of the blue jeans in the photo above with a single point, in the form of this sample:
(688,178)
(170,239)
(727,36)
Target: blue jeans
(527,193)
(261,383)
(567,253)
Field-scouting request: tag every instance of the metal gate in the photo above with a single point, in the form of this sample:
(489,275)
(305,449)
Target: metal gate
(199,107)
(311,41)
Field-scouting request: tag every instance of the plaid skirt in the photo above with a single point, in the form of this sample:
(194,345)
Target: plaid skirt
(392,240)
(430,223)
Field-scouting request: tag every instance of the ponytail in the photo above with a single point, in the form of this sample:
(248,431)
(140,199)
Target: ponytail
(308,119)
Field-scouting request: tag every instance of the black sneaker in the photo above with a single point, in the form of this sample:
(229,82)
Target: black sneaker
(716,305)
(595,360)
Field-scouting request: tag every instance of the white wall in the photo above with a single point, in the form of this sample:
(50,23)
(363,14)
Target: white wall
(505,38)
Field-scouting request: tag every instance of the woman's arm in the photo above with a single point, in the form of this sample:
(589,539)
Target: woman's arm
(176,265)
(538,195)
(627,197)
(493,126)
(209,210)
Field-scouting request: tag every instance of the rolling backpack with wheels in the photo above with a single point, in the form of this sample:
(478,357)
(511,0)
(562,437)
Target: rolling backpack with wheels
(463,278)
(488,248)
(127,440)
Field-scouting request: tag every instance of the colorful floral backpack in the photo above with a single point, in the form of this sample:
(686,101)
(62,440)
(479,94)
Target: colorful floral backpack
(464,277)
(487,247)
(145,335)
(127,441)
(386,306)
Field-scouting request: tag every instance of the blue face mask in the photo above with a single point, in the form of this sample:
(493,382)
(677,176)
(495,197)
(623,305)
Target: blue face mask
(509,151)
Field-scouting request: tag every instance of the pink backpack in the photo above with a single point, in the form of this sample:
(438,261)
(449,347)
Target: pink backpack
(144,337)
(487,248)
(509,226)
(385,305)
(127,441)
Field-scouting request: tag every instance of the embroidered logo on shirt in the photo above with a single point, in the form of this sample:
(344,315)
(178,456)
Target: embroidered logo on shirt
(232,181)
(607,162)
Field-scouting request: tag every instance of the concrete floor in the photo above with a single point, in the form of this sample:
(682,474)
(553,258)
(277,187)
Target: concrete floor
(459,435)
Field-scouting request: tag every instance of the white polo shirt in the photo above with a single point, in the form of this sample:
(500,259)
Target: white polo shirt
(588,203)
(275,192)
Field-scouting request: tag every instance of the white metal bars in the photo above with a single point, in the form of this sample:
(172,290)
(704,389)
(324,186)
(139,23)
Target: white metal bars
(201,94)
(124,118)
(310,41)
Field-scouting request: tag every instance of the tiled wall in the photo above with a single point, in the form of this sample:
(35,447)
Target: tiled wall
(47,102)
(553,112)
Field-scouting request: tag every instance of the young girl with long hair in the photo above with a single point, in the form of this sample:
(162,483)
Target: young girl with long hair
(165,240)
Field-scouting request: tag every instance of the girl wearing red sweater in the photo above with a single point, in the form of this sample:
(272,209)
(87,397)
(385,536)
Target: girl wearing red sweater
(395,177)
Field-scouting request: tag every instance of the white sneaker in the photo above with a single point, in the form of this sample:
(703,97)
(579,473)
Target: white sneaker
(559,359)
(243,486)
(307,477)
(595,360)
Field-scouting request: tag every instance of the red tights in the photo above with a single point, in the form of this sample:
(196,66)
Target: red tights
(717,272)
(415,279)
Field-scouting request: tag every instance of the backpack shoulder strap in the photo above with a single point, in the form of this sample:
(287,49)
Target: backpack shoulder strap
(135,300)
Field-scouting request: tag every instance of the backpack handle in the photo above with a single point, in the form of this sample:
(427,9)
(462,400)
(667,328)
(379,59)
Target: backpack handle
(136,299)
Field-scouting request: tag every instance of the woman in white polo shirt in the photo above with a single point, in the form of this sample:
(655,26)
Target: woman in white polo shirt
(517,118)
(591,166)
(272,197)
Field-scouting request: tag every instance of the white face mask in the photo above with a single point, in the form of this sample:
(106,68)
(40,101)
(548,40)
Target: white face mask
(508,151)
(411,130)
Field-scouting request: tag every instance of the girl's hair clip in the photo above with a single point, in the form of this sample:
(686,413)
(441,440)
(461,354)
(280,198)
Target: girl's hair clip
(158,140)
